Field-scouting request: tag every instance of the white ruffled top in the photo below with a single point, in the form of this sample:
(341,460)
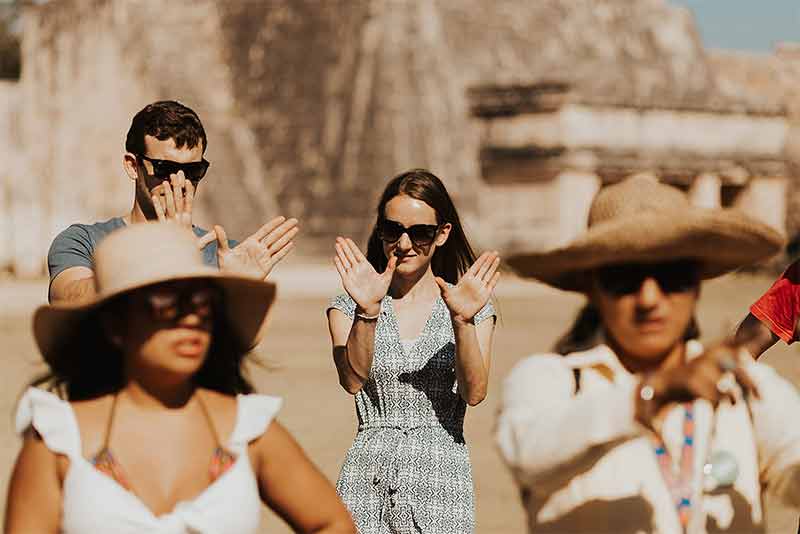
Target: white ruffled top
(95,503)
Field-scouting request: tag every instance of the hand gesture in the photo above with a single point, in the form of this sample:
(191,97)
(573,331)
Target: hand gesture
(473,290)
(173,202)
(257,255)
(359,278)
(710,376)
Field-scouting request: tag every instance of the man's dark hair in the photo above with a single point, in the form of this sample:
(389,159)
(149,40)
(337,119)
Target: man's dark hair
(164,120)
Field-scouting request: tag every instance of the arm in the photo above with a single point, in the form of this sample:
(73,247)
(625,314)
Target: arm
(75,284)
(69,261)
(755,336)
(353,346)
(354,340)
(294,488)
(473,358)
(34,493)
(547,435)
(473,342)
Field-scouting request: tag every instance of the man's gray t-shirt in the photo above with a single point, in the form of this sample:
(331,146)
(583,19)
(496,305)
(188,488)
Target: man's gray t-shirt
(75,246)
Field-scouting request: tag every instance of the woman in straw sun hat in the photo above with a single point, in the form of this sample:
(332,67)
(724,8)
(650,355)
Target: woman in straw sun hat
(645,431)
(158,430)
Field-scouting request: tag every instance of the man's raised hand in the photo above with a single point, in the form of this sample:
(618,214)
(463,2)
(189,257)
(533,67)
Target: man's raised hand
(258,254)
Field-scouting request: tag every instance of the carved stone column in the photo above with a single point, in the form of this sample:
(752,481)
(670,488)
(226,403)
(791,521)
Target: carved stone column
(705,191)
(576,192)
(765,199)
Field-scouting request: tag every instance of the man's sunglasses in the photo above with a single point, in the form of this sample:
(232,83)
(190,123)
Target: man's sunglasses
(163,168)
(170,305)
(421,235)
(626,279)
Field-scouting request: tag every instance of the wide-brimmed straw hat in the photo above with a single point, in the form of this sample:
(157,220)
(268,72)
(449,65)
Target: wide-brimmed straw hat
(641,220)
(146,254)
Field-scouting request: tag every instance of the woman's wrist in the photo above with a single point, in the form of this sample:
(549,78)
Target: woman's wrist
(460,321)
(370,313)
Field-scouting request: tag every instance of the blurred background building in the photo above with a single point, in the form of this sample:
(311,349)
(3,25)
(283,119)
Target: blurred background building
(524,108)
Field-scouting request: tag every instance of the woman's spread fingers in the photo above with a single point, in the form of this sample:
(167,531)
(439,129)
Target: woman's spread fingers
(339,267)
(357,251)
(347,249)
(493,282)
(486,262)
(342,256)
(493,266)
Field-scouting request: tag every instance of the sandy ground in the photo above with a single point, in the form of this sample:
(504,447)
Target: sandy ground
(321,415)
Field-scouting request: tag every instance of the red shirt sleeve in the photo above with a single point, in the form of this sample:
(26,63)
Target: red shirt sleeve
(779,307)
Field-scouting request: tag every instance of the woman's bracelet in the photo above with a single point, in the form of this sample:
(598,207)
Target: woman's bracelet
(368,317)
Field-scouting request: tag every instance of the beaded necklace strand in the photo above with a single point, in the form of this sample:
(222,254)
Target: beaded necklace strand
(680,483)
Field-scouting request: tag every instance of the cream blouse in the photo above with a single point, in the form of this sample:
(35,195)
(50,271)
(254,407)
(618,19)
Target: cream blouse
(585,465)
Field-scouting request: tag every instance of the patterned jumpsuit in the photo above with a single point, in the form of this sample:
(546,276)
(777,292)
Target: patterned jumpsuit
(408,470)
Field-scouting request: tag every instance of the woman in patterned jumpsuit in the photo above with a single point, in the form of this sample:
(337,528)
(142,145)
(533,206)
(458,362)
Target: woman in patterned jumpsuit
(412,343)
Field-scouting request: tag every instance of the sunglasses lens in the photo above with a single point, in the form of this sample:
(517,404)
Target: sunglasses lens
(195,171)
(163,306)
(672,277)
(422,234)
(202,302)
(390,231)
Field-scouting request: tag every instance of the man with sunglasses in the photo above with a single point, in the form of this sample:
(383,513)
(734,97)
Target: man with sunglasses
(164,157)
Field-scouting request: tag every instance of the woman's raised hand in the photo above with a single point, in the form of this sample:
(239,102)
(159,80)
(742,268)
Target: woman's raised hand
(473,290)
(359,278)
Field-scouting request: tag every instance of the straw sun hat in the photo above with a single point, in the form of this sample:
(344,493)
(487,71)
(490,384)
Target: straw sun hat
(142,255)
(641,220)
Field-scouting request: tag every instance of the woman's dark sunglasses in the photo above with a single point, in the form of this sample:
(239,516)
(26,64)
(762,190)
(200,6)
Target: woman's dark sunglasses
(169,305)
(421,235)
(626,279)
(163,168)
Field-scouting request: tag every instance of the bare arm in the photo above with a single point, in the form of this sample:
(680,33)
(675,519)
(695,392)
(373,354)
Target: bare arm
(473,358)
(473,343)
(755,336)
(34,494)
(353,346)
(295,489)
(354,341)
(72,285)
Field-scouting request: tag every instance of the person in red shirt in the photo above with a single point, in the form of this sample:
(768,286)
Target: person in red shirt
(774,316)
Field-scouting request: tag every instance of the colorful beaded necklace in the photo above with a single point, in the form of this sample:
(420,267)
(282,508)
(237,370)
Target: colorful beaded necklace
(680,483)
(106,463)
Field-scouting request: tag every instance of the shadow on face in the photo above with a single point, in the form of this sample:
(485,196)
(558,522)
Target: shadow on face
(646,308)
(166,328)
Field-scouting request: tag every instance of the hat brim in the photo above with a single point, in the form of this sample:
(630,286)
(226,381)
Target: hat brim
(719,240)
(246,304)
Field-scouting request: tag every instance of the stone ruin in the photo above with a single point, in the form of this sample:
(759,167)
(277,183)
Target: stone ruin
(524,108)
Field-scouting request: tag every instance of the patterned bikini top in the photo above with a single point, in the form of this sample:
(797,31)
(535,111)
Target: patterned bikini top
(105,462)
